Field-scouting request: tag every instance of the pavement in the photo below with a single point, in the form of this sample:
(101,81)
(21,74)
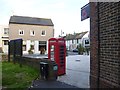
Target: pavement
(77,74)
(77,71)
(50,84)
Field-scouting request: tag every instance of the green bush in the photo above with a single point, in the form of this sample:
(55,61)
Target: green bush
(30,50)
(81,49)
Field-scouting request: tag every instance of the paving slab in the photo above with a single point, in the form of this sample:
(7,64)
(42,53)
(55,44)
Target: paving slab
(49,84)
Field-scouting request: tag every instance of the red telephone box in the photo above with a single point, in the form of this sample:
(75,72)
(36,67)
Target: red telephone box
(57,53)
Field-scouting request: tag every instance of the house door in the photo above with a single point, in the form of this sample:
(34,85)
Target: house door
(42,47)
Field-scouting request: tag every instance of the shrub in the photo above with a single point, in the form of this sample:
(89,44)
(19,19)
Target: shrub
(81,49)
(30,51)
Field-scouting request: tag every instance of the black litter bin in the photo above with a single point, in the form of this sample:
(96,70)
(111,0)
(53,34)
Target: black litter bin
(48,70)
(44,70)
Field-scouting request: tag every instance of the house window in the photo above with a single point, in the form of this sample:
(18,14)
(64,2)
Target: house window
(5,42)
(32,32)
(43,33)
(6,31)
(21,32)
(42,46)
(86,41)
(77,41)
(24,47)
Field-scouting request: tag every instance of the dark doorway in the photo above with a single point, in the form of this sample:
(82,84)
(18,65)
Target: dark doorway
(42,46)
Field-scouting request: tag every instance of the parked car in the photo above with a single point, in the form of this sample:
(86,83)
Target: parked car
(75,50)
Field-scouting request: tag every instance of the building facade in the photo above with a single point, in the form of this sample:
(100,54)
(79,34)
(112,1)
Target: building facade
(35,32)
(4,38)
(73,40)
(86,40)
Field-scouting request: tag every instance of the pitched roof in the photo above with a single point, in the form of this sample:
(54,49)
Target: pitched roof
(30,20)
(80,35)
(75,36)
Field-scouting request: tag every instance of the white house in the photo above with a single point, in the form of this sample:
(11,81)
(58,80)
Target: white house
(73,40)
(86,40)
(4,38)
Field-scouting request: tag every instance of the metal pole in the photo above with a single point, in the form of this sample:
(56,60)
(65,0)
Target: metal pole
(8,51)
(21,52)
(14,51)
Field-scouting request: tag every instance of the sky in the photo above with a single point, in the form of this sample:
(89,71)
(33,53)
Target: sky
(65,14)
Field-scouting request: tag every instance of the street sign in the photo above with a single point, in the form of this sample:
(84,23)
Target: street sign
(85,12)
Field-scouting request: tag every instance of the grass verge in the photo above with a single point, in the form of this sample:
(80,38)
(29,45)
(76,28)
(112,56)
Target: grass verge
(14,76)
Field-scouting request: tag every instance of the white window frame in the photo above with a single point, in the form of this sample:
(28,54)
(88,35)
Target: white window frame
(5,42)
(21,31)
(6,31)
(44,34)
(31,33)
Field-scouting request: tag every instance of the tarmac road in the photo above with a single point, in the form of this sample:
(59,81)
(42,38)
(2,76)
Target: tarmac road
(72,53)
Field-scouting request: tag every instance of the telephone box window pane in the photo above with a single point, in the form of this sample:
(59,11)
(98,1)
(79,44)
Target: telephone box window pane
(61,55)
(52,52)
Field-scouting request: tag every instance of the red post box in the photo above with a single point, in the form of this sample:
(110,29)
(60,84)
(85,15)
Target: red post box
(57,53)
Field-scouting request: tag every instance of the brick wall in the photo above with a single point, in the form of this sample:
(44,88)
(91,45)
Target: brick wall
(105,45)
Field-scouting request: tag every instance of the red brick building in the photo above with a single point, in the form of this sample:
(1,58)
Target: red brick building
(105,45)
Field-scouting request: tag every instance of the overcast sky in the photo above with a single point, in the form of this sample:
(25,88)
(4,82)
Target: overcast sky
(65,14)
